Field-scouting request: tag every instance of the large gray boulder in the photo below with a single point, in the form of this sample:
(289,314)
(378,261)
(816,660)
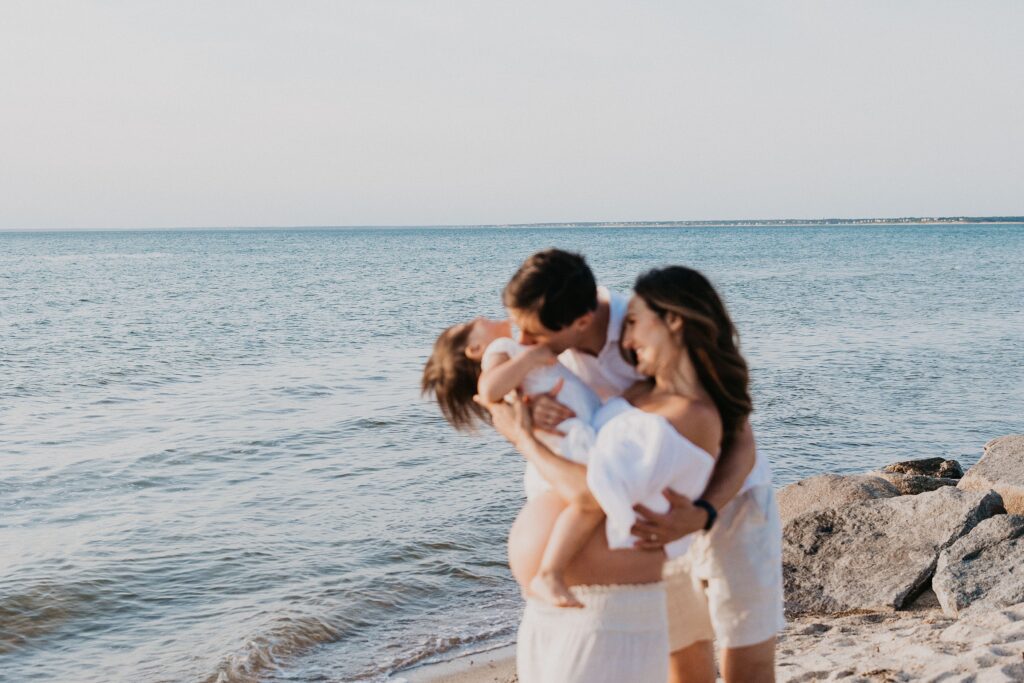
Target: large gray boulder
(874,555)
(928,467)
(825,491)
(913,484)
(984,568)
(1000,469)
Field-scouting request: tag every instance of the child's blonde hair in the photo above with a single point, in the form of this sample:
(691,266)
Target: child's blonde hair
(452,377)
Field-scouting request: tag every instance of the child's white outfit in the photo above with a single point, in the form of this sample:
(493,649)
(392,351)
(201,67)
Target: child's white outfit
(574,394)
(631,455)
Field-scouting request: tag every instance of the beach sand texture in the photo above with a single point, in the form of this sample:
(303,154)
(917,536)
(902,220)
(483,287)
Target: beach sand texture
(921,644)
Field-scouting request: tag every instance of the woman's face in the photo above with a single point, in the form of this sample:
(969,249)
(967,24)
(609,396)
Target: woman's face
(649,337)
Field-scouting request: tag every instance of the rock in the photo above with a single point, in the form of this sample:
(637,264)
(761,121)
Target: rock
(984,568)
(929,467)
(913,484)
(830,490)
(875,554)
(1000,469)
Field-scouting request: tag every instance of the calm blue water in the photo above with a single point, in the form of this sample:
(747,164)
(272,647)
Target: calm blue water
(216,465)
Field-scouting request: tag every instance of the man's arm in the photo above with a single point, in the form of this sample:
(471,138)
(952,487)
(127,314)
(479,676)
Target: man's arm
(684,517)
(547,413)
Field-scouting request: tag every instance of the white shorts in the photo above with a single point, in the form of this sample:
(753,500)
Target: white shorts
(728,585)
(619,636)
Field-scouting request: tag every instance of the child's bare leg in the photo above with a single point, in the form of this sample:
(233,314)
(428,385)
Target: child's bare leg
(572,530)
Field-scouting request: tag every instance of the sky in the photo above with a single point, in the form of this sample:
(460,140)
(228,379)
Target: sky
(139,114)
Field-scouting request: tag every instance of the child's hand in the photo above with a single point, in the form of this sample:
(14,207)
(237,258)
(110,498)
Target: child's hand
(541,355)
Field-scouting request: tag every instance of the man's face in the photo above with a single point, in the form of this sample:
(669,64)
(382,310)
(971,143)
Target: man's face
(532,331)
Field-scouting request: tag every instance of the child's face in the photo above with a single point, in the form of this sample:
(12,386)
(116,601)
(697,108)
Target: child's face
(483,333)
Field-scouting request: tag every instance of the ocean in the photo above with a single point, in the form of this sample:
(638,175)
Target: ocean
(216,465)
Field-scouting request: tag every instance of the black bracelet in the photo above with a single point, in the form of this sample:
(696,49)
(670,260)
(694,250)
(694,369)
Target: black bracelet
(710,509)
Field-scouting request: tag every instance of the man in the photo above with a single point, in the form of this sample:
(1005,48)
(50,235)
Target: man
(554,300)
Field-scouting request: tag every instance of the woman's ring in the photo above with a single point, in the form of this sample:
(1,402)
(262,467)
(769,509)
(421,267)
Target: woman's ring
(652,537)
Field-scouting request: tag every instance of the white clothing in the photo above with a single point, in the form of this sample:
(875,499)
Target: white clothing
(729,583)
(631,455)
(760,474)
(607,373)
(620,636)
(631,458)
(574,394)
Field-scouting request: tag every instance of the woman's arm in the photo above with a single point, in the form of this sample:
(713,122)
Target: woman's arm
(732,469)
(502,376)
(567,478)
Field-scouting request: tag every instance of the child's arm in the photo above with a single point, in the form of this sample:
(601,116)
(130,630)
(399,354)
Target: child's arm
(502,374)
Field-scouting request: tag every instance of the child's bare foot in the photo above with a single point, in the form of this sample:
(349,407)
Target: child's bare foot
(549,587)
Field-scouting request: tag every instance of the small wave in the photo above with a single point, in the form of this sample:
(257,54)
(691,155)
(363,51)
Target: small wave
(371,423)
(291,637)
(40,610)
(112,255)
(441,648)
(303,391)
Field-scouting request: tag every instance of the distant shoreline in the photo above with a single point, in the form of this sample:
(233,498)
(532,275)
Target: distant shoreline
(745,223)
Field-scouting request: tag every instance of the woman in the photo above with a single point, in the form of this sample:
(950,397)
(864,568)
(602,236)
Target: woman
(680,336)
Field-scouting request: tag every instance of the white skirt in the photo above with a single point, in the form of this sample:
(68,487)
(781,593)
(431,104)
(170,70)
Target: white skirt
(619,636)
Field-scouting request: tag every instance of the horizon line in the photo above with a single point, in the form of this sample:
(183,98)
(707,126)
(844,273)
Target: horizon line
(892,220)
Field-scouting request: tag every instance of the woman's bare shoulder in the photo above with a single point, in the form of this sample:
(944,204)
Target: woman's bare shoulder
(697,420)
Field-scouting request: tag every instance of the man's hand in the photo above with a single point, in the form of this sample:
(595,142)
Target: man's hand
(654,530)
(547,412)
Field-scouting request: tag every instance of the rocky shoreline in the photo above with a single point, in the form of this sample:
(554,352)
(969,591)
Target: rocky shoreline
(914,572)
(911,573)
(877,541)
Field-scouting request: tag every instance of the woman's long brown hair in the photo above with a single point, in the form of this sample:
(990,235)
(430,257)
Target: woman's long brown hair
(709,337)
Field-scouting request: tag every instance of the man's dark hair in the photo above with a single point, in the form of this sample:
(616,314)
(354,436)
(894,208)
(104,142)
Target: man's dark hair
(556,285)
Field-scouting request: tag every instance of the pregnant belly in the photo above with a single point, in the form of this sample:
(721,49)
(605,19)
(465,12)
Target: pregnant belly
(595,564)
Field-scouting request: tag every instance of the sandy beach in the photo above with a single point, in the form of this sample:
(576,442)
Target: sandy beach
(920,644)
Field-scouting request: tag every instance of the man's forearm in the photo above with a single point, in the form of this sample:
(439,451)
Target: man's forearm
(732,469)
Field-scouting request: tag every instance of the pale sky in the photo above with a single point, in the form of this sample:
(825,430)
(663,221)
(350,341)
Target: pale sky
(142,114)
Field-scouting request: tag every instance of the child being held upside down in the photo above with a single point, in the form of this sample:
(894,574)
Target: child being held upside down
(480,357)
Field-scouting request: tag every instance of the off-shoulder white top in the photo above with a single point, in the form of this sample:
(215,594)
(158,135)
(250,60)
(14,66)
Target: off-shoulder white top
(631,457)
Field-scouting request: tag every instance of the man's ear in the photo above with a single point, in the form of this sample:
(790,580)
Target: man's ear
(583,322)
(474,352)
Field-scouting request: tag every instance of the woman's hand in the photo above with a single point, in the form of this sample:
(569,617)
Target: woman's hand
(511,421)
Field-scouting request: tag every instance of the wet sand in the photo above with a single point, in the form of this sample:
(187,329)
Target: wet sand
(494,666)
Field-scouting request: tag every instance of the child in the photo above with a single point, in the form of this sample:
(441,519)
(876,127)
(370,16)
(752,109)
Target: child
(480,357)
